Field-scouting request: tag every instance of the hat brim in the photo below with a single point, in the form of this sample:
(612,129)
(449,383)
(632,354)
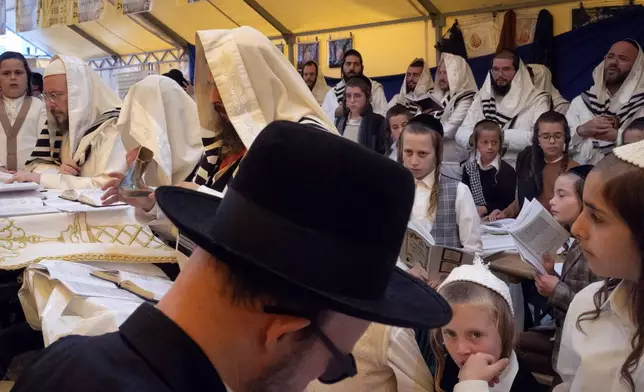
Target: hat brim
(407,302)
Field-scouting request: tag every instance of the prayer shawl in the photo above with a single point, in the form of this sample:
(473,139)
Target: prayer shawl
(159,115)
(462,85)
(320,89)
(543,81)
(423,90)
(627,104)
(522,97)
(472,168)
(257,85)
(21,120)
(90,104)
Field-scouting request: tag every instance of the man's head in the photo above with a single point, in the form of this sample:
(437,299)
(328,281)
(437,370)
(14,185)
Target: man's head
(619,61)
(414,73)
(178,77)
(229,135)
(55,94)
(358,93)
(310,73)
(352,64)
(441,77)
(15,75)
(36,84)
(504,67)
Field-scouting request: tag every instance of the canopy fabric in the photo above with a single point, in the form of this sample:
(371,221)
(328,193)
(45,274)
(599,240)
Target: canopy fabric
(116,34)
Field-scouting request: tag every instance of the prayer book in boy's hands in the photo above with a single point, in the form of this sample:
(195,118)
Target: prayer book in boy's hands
(535,233)
(151,288)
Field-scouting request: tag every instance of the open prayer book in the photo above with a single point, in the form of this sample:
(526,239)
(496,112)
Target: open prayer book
(433,262)
(23,203)
(90,197)
(536,232)
(151,288)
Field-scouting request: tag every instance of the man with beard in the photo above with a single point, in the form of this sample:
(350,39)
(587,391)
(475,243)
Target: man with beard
(509,98)
(275,296)
(314,78)
(418,85)
(352,65)
(456,88)
(81,143)
(599,115)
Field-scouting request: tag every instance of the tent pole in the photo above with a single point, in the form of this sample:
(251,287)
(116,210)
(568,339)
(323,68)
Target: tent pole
(94,41)
(438,22)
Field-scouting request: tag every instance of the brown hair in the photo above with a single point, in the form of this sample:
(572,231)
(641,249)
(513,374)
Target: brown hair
(437,143)
(487,125)
(624,192)
(458,293)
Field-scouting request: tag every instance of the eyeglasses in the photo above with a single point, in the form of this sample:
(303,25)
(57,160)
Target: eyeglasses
(341,366)
(546,137)
(53,97)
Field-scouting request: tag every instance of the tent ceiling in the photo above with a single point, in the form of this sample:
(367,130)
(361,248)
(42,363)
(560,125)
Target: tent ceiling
(173,24)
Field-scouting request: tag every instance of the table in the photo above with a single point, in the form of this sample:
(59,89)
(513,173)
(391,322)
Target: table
(510,264)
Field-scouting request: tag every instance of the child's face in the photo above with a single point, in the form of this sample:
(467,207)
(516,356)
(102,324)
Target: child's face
(472,330)
(605,238)
(633,136)
(552,139)
(564,205)
(356,99)
(397,124)
(488,145)
(419,155)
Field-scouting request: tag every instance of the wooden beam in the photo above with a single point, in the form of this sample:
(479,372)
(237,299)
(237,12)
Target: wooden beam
(505,7)
(261,11)
(93,40)
(429,7)
(163,28)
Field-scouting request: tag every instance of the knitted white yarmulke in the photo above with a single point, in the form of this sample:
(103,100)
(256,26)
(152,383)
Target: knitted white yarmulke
(631,153)
(480,274)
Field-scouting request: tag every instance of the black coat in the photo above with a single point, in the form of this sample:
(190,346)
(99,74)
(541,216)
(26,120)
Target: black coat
(372,130)
(499,188)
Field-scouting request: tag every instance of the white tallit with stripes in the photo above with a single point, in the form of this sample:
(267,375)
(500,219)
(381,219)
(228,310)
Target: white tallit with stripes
(522,97)
(628,101)
(321,88)
(462,85)
(90,104)
(257,85)
(543,81)
(423,90)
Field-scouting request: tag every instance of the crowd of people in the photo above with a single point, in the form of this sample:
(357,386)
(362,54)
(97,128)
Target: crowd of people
(292,199)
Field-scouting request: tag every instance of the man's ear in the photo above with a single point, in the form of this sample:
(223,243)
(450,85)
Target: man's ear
(278,326)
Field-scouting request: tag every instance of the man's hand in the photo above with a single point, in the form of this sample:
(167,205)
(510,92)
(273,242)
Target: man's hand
(595,127)
(496,215)
(69,167)
(112,196)
(608,136)
(24,177)
(482,367)
(546,284)
(482,210)
(548,263)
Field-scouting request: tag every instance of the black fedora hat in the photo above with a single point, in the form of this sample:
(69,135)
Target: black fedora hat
(320,213)
(429,121)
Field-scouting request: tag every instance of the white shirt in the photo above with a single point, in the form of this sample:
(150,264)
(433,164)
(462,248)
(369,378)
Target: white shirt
(352,129)
(591,360)
(28,134)
(496,163)
(469,222)
(581,149)
(405,359)
(12,107)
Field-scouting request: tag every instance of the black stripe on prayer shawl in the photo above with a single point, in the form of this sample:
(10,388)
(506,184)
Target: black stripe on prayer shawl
(93,128)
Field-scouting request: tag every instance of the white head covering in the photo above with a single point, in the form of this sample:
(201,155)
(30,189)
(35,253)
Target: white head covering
(159,115)
(256,82)
(459,75)
(424,86)
(480,274)
(632,153)
(87,96)
(521,97)
(627,101)
(321,87)
(543,81)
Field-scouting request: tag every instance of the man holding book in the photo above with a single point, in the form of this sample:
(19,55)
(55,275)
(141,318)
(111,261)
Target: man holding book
(276,299)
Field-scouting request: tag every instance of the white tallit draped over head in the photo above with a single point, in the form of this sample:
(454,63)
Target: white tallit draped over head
(159,115)
(88,97)
(521,97)
(543,81)
(627,101)
(461,81)
(256,82)
(424,86)
(321,87)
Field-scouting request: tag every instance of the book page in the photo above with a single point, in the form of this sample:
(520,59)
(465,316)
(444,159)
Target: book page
(155,285)
(21,203)
(18,187)
(443,259)
(415,250)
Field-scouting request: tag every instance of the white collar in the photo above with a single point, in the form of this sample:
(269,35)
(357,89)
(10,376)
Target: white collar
(617,302)
(556,160)
(496,163)
(428,180)
(14,100)
(507,376)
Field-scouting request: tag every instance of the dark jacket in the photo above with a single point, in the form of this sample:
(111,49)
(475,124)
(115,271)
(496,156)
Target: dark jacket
(372,130)
(499,188)
(524,381)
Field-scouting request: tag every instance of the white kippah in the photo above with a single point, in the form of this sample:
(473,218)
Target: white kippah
(480,274)
(56,67)
(631,153)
